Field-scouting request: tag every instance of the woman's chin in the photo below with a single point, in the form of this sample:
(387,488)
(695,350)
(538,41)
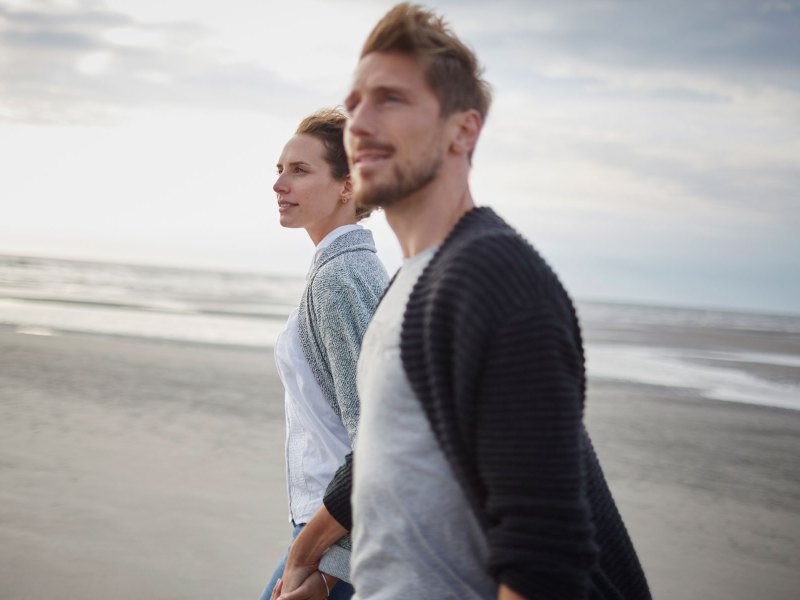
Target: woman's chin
(288,223)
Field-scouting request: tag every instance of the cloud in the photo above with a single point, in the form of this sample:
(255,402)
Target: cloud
(681,111)
(719,51)
(84,63)
(647,142)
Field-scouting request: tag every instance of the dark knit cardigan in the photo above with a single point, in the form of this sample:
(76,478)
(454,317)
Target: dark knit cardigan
(491,345)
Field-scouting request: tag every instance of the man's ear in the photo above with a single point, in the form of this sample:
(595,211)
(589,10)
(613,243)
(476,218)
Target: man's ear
(467,127)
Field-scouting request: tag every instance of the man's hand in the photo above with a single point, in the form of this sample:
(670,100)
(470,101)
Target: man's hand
(506,593)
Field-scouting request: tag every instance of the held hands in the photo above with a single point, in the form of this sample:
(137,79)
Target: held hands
(294,575)
(302,579)
(316,586)
(301,571)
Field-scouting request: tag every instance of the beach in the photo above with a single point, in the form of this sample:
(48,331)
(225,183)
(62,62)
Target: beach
(138,469)
(134,468)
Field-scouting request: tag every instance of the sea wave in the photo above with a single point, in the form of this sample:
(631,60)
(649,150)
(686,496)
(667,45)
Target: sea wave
(724,355)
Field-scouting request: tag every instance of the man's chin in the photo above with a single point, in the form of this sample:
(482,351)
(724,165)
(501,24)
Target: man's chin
(383,195)
(373,196)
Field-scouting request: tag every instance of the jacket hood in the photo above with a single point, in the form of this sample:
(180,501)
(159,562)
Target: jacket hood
(352,241)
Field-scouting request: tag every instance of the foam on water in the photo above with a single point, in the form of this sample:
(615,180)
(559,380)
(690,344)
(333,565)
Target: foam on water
(637,316)
(204,329)
(677,369)
(147,287)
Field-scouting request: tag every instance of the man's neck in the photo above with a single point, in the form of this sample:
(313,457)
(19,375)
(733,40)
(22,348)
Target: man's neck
(425,218)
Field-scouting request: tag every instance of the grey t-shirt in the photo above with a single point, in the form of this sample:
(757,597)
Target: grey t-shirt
(414,535)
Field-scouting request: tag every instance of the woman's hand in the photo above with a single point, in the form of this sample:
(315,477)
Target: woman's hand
(315,587)
(295,575)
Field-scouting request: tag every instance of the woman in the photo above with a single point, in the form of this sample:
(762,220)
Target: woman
(317,352)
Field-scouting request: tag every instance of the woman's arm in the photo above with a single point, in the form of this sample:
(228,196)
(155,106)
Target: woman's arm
(319,534)
(345,297)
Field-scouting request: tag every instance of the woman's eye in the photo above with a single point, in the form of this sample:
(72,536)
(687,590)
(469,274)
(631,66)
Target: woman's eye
(299,170)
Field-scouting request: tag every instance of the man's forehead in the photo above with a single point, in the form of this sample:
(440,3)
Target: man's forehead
(387,69)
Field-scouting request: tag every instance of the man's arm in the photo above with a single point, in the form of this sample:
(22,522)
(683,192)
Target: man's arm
(529,456)
(337,496)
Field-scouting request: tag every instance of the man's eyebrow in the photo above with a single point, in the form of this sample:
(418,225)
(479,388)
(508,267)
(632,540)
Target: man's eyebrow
(379,89)
(387,89)
(383,90)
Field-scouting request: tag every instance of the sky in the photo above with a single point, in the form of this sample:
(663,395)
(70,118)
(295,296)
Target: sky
(649,150)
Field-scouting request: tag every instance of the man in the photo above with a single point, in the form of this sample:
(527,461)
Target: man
(473,475)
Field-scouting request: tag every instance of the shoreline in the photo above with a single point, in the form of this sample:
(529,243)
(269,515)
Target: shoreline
(152,469)
(787,373)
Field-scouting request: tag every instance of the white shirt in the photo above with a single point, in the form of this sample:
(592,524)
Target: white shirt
(316,440)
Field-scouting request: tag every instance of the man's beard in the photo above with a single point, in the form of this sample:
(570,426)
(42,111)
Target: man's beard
(403,185)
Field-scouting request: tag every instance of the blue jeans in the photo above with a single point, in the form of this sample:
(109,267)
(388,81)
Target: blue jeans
(341,591)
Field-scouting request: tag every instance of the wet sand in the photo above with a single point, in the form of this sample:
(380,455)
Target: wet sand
(136,469)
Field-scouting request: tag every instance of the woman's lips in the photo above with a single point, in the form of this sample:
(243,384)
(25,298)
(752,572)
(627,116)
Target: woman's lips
(284,206)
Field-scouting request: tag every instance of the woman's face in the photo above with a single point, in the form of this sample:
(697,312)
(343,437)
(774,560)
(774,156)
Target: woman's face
(308,195)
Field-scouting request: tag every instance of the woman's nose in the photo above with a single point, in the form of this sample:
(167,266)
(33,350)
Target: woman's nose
(279,186)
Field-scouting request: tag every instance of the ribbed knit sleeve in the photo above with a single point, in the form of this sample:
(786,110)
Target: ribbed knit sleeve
(492,348)
(529,458)
(337,496)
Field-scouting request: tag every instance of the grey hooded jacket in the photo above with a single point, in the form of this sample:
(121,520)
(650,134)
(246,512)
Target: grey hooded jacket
(342,292)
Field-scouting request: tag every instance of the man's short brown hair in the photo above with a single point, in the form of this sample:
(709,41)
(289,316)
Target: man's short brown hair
(327,125)
(451,68)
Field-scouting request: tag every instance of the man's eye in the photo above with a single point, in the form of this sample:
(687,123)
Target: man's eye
(299,170)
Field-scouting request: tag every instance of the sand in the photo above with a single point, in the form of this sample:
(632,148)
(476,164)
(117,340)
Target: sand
(136,469)
(709,490)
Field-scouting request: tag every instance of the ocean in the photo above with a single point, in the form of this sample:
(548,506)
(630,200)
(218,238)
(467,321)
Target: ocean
(722,355)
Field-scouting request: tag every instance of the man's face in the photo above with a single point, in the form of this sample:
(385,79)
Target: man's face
(394,138)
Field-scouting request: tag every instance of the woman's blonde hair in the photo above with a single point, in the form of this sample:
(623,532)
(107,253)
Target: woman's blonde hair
(327,125)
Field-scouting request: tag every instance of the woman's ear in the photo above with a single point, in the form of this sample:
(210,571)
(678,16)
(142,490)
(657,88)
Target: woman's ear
(347,191)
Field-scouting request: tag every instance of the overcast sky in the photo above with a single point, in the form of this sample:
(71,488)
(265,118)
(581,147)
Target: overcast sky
(649,150)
